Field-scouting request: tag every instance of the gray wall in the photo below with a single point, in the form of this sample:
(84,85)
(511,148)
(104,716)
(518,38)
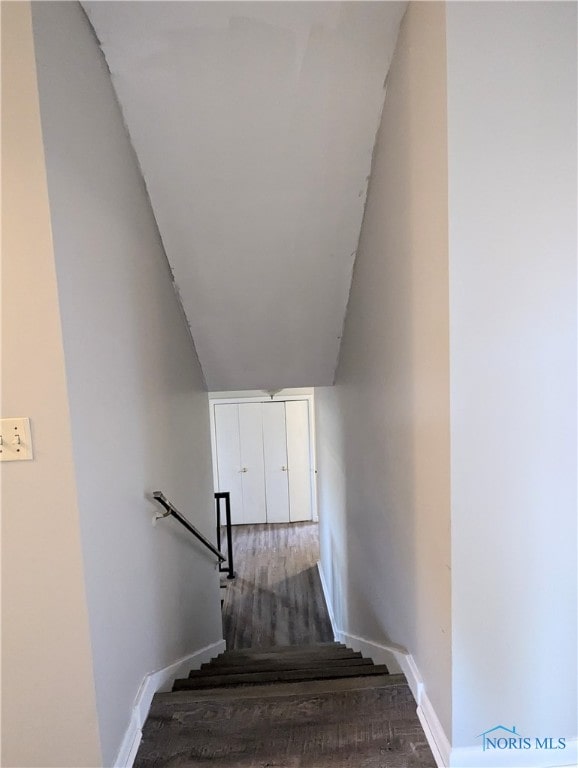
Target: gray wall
(512,179)
(383,429)
(484,259)
(139,412)
(48,701)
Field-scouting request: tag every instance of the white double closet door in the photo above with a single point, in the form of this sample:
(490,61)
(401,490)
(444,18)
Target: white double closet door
(263,460)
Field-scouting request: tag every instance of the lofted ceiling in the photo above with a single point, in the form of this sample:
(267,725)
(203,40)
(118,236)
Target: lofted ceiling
(254,125)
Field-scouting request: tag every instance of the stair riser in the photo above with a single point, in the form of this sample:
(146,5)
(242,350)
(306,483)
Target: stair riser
(174,700)
(228,660)
(258,678)
(278,667)
(315,648)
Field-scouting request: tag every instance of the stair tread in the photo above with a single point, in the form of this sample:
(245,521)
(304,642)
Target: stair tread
(229,661)
(257,678)
(272,665)
(177,700)
(285,648)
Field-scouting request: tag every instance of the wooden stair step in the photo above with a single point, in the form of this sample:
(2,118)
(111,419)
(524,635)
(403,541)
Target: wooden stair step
(256,656)
(257,678)
(176,700)
(286,648)
(281,659)
(276,665)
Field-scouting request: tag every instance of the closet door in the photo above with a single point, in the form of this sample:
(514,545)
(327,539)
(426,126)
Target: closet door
(228,449)
(298,456)
(275,450)
(252,471)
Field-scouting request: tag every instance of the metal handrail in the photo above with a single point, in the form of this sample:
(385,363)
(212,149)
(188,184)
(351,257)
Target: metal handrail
(230,569)
(172,510)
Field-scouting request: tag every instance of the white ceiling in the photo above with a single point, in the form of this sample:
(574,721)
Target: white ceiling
(254,124)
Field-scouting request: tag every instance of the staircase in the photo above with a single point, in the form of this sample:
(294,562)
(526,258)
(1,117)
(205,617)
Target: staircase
(316,706)
(281,664)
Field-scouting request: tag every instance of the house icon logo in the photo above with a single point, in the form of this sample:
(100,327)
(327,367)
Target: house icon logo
(500,737)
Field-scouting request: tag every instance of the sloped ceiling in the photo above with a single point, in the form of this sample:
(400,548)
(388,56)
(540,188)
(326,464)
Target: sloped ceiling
(254,125)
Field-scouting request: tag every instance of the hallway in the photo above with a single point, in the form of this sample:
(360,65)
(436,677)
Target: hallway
(372,205)
(276,598)
(316,706)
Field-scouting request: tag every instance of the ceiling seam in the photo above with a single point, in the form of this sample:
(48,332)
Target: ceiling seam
(356,251)
(146,190)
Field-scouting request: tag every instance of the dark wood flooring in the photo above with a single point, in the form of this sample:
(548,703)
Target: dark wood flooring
(326,724)
(359,721)
(276,598)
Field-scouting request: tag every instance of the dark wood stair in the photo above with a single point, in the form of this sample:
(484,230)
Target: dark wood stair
(279,665)
(283,665)
(321,651)
(317,706)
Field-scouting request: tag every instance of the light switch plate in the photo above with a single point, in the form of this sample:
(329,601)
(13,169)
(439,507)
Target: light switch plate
(15,440)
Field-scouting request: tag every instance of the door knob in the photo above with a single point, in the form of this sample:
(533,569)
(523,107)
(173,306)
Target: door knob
(284,469)
(244,469)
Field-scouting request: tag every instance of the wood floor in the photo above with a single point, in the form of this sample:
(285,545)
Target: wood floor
(234,713)
(276,598)
(326,724)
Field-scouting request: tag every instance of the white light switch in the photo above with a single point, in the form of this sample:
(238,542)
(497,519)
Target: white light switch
(15,440)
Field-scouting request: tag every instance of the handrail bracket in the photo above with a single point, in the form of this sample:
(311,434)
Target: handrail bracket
(170,509)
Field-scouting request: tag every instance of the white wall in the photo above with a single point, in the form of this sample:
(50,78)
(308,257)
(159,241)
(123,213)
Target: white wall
(139,411)
(497,247)
(48,700)
(383,429)
(257,164)
(512,180)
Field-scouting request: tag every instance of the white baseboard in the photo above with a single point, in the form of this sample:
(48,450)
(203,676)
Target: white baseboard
(434,732)
(474,757)
(393,656)
(161,680)
(328,602)
(397,659)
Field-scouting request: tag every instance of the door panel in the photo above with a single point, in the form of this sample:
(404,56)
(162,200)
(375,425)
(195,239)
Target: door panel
(229,457)
(298,456)
(252,468)
(275,450)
